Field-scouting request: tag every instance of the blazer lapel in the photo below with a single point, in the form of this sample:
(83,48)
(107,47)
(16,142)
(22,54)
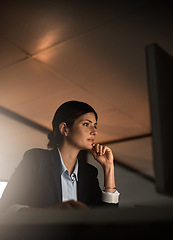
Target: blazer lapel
(56,172)
(81,185)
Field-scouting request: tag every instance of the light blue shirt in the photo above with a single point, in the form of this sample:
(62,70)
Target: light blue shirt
(68,183)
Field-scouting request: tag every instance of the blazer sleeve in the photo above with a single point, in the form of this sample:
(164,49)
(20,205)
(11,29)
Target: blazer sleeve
(19,187)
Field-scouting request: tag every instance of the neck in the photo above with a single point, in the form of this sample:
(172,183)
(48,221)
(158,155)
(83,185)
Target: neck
(69,156)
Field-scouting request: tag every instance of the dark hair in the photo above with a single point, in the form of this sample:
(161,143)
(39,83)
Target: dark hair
(68,112)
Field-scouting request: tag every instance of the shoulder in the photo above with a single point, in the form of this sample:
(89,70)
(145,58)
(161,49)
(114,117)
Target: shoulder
(36,156)
(37,152)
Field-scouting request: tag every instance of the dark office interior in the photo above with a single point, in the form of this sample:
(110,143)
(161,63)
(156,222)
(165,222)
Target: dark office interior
(118,57)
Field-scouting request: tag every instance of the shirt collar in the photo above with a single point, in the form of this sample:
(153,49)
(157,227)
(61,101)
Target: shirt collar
(63,168)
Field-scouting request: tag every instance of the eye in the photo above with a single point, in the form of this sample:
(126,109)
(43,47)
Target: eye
(95,126)
(86,124)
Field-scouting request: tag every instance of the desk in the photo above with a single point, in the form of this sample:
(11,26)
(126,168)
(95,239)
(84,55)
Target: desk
(84,224)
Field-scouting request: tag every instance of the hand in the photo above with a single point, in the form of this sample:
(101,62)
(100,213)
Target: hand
(69,205)
(102,155)
(62,205)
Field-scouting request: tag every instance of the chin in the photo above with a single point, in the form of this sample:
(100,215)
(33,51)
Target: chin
(89,147)
(86,147)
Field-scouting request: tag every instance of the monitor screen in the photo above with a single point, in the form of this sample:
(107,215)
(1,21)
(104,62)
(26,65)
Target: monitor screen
(160,81)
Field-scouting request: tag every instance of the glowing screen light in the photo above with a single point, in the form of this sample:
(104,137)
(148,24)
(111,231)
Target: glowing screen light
(2,187)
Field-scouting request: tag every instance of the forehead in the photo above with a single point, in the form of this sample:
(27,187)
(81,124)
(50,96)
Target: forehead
(88,116)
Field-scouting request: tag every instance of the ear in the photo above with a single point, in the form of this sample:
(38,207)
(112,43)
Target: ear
(63,128)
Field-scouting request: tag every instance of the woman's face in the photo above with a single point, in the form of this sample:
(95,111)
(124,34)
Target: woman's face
(83,132)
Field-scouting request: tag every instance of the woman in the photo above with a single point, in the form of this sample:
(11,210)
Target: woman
(56,178)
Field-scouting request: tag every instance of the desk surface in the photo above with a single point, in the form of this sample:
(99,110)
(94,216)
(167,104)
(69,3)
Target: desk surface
(98,221)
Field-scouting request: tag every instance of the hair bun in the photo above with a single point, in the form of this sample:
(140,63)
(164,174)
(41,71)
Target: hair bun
(52,140)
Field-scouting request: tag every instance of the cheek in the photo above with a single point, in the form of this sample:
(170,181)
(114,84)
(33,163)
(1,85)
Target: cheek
(78,136)
(75,135)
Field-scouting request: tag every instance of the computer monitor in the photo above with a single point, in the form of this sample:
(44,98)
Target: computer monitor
(160,82)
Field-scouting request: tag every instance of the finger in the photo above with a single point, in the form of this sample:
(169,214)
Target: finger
(93,150)
(77,204)
(104,150)
(100,150)
(81,205)
(93,147)
(96,147)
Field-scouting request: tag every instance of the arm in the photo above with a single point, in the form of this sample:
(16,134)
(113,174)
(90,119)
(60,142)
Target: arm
(20,184)
(104,156)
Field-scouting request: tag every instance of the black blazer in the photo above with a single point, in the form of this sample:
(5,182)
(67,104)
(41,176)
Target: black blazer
(37,182)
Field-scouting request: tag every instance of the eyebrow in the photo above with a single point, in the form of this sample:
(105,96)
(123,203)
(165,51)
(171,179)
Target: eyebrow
(90,121)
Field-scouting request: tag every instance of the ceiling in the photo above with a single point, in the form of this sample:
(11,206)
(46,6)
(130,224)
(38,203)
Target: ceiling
(55,51)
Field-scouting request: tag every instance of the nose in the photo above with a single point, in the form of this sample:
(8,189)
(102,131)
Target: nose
(93,131)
